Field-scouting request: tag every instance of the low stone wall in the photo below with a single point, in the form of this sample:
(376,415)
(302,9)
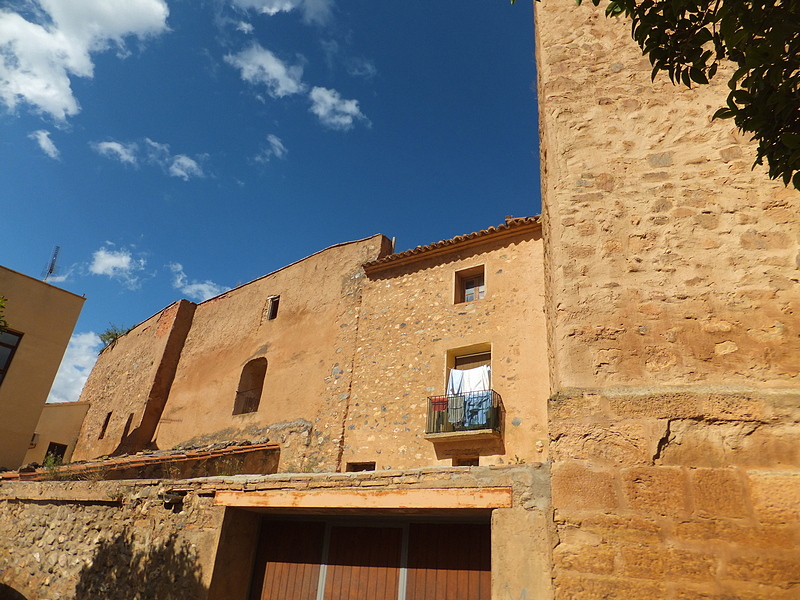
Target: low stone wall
(156,539)
(90,540)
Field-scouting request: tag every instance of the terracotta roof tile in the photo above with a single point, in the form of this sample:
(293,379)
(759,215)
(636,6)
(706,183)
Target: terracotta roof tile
(398,257)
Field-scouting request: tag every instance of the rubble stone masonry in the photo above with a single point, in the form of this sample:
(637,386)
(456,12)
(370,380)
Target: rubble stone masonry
(674,331)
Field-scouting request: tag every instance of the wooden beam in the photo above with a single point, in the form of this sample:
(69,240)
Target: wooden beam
(499,497)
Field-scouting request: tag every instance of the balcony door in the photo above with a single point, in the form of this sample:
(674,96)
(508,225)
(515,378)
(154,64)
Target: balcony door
(317,560)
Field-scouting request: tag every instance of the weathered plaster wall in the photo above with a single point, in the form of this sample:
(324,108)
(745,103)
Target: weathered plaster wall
(45,316)
(89,540)
(308,347)
(132,379)
(409,322)
(673,331)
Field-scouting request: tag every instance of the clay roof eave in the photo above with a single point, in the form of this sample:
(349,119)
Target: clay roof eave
(511,227)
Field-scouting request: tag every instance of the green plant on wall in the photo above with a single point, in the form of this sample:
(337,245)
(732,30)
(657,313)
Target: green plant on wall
(112,334)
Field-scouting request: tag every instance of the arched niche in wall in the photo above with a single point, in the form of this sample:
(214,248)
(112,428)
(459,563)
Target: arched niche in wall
(251,384)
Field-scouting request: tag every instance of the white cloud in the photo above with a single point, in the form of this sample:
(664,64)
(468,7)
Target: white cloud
(258,65)
(123,152)
(361,67)
(318,12)
(196,290)
(333,111)
(184,167)
(38,59)
(42,138)
(75,367)
(276,149)
(178,165)
(244,27)
(117,264)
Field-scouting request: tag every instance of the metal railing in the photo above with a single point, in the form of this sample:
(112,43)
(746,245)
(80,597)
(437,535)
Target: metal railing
(465,412)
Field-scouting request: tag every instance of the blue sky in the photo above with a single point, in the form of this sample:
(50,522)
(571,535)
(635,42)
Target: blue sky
(178,148)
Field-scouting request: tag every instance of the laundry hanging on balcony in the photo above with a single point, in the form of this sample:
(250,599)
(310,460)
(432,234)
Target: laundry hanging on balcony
(469,396)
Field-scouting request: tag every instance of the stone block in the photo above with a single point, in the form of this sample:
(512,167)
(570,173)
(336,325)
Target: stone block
(769,537)
(620,528)
(579,486)
(646,562)
(696,566)
(606,588)
(718,493)
(625,442)
(781,572)
(655,490)
(775,496)
(598,560)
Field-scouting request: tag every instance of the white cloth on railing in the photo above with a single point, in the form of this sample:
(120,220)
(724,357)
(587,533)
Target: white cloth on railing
(469,396)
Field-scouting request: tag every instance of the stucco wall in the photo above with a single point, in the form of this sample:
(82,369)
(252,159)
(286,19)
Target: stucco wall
(308,348)
(409,322)
(673,326)
(46,316)
(131,380)
(60,423)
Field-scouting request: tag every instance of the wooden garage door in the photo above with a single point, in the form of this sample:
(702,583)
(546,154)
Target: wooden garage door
(287,561)
(363,563)
(449,562)
(398,561)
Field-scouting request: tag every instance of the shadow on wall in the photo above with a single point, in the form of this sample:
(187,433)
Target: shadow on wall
(9,593)
(124,569)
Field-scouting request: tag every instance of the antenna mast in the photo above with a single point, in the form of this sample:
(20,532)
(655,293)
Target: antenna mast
(51,266)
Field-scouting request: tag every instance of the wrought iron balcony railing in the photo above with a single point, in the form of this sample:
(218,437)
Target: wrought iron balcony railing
(465,412)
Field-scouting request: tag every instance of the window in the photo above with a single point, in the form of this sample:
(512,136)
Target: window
(104,427)
(251,384)
(272,307)
(470,285)
(57,451)
(354,467)
(9,341)
(466,461)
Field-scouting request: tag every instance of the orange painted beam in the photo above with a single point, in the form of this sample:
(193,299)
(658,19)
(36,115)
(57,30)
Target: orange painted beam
(499,497)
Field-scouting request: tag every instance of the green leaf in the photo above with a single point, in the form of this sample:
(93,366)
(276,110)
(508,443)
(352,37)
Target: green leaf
(792,140)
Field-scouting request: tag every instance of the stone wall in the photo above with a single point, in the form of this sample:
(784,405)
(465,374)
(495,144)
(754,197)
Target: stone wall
(673,321)
(410,323)
(89,540)
(130,382)
(173,540)
(670,261)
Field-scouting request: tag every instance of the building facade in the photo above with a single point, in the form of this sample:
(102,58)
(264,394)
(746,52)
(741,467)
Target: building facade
(41,318)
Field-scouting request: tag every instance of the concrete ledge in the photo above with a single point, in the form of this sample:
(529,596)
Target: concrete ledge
(499,497)
(458,436)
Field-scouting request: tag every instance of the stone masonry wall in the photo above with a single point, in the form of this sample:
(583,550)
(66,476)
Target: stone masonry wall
(673,323)
(409,322)
(670,261)
(110,540)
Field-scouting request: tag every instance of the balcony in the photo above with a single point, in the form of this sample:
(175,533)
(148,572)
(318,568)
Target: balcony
(470,415)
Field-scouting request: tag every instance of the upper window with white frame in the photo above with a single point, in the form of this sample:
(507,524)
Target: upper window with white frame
(470,285)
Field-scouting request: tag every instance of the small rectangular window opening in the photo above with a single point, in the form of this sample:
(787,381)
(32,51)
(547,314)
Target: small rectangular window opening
(104,427)
(272,308)
(466,461)
(354,467)
(57,451)
(470,285)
